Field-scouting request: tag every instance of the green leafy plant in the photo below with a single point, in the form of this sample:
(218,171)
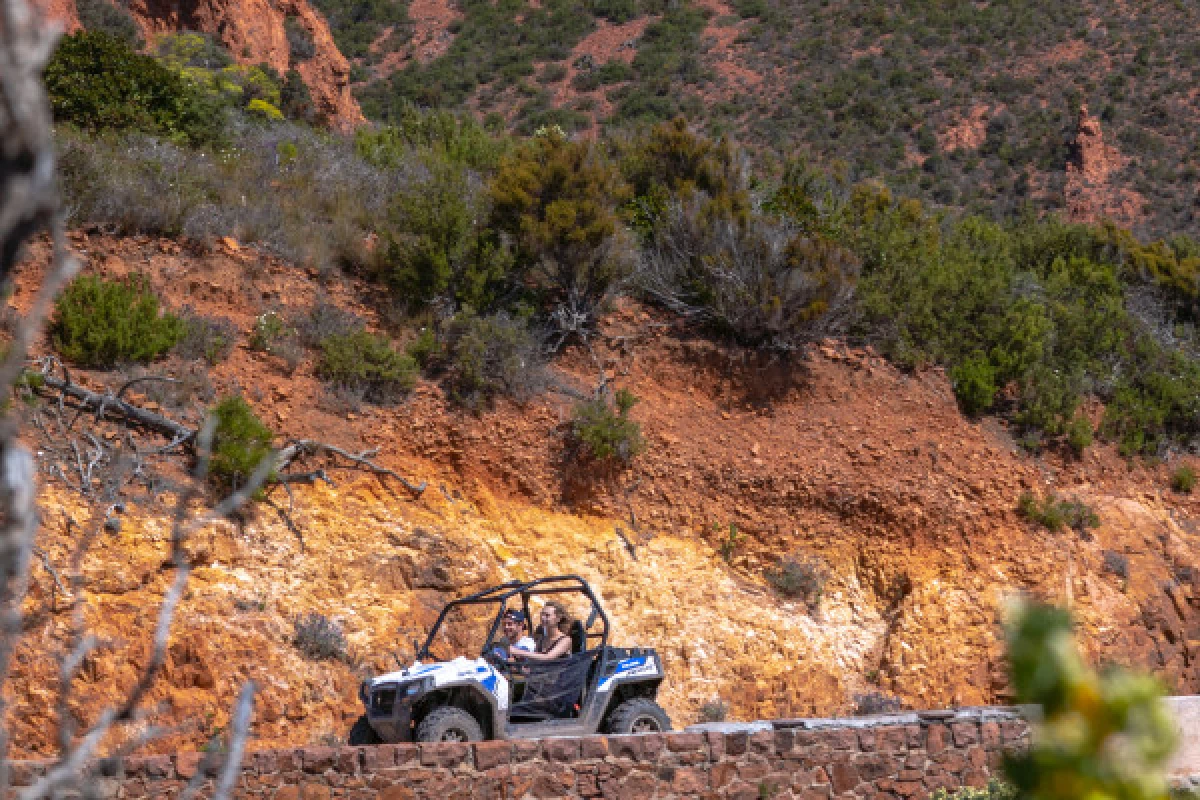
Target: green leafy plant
(1183,479)
(367,362)
(1079,435)
(1054,513)
(557,199)
(731,542)
(602,431)
(1103,735)
(101,323)
(240,442)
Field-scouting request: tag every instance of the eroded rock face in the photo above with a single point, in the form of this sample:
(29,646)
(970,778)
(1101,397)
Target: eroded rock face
(1091,193)
(254,33)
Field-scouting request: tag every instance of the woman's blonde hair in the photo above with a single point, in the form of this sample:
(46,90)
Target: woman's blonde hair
(564,616)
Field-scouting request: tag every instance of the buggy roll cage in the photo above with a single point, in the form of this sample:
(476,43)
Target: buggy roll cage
(559,584)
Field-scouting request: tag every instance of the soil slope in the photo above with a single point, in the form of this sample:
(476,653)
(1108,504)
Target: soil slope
(837,456)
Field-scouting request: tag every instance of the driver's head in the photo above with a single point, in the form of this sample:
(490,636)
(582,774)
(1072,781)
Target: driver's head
(514,624)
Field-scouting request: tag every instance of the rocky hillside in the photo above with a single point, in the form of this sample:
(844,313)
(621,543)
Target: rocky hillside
(965,104)
(867,474)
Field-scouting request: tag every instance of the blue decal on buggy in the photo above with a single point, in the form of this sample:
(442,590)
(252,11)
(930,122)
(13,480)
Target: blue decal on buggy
(489,683)
(640,666)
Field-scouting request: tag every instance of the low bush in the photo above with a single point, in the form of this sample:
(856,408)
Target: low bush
(801,577)
(301,46)
(1054,513)
(1116,563)
(208,338)
(240,442)
(102,323)
(764,281)
(488,357)
(322,320)
(602,431)
(715,710)
(319,638)
(368,363)
(995,790)
(871,703)
(1183,479)
(111,18)
(268,332)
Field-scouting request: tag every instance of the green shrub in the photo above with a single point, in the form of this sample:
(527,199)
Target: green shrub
(1183,479)
(714,710)
(1054,513)
(102,323)
(97,81)
(974,383)
(486,357)
(425,349)
(240,442)
(557,198)
(1079,434)
(801,577)
(603,432)
(437,245)
(368,363)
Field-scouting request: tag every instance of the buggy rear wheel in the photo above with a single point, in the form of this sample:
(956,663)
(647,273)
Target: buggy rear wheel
(638,715)
(449,724)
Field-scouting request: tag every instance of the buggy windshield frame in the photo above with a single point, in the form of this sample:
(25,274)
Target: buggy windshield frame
(501,595)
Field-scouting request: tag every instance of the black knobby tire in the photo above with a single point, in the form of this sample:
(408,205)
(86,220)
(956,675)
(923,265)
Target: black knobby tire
(449,724)
(363,733)
(638,715)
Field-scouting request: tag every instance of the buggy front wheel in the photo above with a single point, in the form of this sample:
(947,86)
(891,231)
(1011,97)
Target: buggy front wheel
(449,724)
(638,715)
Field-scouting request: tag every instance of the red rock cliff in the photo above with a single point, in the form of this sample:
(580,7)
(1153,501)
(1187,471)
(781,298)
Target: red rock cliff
(253,31)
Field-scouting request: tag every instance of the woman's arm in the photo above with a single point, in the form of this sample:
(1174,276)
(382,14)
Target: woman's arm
(559,649)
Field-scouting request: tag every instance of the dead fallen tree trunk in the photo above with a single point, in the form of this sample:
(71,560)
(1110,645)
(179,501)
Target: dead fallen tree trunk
(113,406)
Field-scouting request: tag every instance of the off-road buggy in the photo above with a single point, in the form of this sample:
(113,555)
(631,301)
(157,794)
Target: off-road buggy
(597,688)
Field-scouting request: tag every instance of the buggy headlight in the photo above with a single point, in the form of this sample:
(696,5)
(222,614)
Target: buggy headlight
(416,687)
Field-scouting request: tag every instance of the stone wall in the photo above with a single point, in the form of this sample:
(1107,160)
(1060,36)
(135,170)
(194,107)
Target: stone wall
(899,756)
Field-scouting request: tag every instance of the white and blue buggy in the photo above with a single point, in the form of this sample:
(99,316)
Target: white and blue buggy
(597,688)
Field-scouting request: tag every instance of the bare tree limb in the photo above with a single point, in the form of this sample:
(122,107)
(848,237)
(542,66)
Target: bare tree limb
(300,448)
(109,404)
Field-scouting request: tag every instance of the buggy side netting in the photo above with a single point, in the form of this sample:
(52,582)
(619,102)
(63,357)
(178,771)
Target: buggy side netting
(553,688)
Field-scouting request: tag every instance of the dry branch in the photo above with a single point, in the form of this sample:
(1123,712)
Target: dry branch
(111,405)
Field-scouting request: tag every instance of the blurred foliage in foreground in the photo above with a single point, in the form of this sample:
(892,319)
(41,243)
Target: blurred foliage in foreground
(1103,735)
